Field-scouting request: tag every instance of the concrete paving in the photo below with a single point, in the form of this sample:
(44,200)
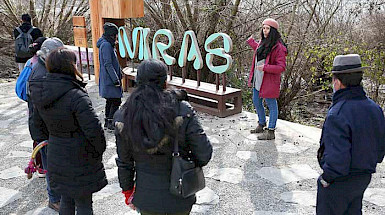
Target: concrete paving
(246,175)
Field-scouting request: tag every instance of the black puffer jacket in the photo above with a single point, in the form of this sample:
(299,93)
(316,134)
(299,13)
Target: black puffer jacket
(76,138)
(153,171)
(39,132)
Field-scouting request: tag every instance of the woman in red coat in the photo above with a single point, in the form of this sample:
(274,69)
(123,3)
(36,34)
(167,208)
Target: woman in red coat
(268,63)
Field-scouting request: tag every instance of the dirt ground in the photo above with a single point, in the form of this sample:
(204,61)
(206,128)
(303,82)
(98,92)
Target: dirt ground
(8,66)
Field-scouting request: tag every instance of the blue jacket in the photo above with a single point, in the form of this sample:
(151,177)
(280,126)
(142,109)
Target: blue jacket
(109,76)
(353,135)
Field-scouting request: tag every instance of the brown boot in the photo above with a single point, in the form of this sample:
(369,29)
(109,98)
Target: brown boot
(267,134)
(258,129)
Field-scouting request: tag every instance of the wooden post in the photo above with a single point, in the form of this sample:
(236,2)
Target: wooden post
(97,31)
(183,75)
(80,37)
(88,65)
(224,82)
(170,70)
(217,81)
(80,61)
(198,78)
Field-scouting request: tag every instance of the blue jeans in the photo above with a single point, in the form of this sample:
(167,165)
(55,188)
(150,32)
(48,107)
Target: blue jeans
(83,205)
(273,108)
(52,196)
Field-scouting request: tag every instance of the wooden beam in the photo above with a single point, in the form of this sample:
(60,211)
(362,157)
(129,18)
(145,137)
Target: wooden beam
(96,34)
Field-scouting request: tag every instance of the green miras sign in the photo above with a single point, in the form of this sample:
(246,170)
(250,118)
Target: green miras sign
(159,49)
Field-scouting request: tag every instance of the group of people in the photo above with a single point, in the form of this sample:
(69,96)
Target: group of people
(61,112)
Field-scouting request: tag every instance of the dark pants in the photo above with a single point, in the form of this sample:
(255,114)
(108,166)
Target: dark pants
(52,196)
(342,197)
(83,205)
(112,105)
(151,213)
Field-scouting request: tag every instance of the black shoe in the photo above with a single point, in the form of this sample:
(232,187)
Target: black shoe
(111,125)
(54,206)
(105,126)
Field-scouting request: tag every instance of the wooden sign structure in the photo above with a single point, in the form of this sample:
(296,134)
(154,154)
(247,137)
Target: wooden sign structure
(114,11)
(206,97)
(80,39)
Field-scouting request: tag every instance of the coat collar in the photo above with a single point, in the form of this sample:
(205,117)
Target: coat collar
(349,93)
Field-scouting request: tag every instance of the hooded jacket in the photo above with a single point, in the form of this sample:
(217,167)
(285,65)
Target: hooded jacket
(353,136)
(38,133)
(275,64)
(62,108)
(110,76)
(152,172)
(36,33)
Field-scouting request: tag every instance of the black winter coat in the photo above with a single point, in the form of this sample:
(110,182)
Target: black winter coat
(36,33)
(76,139)
(153,171)
(38,132)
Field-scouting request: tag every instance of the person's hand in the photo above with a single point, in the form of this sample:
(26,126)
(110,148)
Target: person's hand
(323,182)
(117,84)
(260,67)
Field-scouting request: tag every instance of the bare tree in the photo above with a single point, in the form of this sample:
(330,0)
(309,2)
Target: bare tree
(53,17)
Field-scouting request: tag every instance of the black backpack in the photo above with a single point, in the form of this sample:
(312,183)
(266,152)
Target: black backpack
(22,43)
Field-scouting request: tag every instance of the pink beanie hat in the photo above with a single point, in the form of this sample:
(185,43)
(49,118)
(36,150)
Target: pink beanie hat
(271,22)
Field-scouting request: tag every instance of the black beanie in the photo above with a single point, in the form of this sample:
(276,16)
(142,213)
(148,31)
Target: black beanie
(110,29)
(152,71)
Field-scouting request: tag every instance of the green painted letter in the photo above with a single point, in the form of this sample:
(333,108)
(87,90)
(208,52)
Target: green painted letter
(159,49)
(194,53)
(221,52)
(125,45)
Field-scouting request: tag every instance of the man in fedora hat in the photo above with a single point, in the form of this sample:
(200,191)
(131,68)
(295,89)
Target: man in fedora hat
(352,141)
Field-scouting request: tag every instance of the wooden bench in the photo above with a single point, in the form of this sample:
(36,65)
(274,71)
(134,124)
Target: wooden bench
(129,76)
(205,97)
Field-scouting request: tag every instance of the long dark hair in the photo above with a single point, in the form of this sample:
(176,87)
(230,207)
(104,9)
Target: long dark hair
(149,112)
(63,61)
(268,43)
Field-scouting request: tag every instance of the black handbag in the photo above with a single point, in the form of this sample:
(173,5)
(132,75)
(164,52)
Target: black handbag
(186,179)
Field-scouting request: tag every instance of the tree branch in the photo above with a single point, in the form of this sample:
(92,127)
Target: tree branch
(234,12)
(179,14)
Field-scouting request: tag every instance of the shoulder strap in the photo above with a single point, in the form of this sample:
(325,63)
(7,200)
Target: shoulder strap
(19,30)
(177,123)
(30,30)
(176,149)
